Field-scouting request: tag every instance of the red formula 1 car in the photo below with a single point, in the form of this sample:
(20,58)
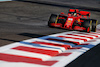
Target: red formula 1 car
(74,20)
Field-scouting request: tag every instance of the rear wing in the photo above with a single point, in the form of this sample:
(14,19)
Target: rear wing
(84,13)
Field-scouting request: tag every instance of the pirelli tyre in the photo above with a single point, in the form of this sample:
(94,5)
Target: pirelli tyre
(94,24)
(88,25)
(52,19)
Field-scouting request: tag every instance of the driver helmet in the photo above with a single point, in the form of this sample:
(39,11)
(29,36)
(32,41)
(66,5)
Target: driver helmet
(75,14)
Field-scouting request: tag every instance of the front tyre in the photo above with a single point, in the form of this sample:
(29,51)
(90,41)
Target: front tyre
(52,19)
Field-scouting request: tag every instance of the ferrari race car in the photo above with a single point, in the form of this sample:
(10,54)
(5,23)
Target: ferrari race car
(74,20)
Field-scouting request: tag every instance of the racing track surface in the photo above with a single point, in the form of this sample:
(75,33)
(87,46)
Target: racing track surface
(23,20)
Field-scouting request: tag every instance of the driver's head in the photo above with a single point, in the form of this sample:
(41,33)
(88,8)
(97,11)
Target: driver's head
(75,14)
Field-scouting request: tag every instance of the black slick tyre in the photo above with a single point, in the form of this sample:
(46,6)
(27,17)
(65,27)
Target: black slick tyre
(94,24)
(52,19)
(88,25)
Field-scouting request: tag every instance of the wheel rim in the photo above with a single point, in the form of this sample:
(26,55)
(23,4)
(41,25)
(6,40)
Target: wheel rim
(90,25)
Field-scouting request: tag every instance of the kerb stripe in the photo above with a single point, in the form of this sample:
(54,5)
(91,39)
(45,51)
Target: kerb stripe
(16,58)
(64,54)
(59,45)
(81,36)
(73,38)
(37,50)
(66,41)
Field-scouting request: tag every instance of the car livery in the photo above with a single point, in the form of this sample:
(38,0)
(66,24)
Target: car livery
(74,20)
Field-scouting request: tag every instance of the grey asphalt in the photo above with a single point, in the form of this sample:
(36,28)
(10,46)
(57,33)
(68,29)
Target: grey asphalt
(84,4)
(24,20)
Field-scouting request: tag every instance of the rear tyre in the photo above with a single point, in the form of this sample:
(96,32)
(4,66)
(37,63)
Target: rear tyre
(94,24)
(52,19)
(88,25)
